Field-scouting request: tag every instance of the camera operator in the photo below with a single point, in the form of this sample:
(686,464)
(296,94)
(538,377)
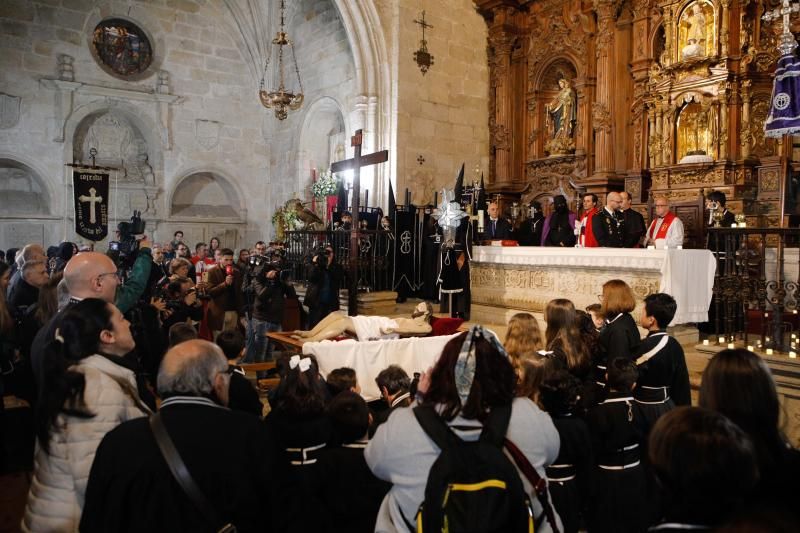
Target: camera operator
(254,262)
(225,290)
(181,304)
(270,293)
(324,280)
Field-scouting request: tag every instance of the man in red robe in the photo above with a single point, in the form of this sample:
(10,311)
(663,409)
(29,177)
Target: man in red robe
(586,236)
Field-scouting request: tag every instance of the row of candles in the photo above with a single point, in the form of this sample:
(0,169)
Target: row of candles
(751,348)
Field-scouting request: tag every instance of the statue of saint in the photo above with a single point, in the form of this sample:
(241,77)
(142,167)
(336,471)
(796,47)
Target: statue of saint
(696,34)
(561,118)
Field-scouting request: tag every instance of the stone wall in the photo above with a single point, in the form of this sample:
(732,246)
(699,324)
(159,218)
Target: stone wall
(195,111)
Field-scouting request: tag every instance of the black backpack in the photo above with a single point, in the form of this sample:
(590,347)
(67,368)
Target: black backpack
(472,486)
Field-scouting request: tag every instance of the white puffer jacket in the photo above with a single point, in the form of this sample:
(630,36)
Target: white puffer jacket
(59,480)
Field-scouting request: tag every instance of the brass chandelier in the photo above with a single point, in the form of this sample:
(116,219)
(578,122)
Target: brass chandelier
(280,99)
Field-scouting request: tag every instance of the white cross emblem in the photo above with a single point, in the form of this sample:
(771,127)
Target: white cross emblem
(92,199)
(405,238)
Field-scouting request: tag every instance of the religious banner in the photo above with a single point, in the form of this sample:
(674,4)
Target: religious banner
(405,252)
(784,113)
(91,203)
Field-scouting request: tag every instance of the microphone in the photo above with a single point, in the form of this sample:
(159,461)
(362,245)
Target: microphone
(229,270)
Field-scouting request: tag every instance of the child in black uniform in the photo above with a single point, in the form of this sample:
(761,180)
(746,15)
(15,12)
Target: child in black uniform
(348,493)
(620,493)
(663,377)
(619,337)
(570,477)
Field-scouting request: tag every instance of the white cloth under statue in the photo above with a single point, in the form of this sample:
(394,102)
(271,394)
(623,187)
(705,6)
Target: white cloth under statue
(370,328)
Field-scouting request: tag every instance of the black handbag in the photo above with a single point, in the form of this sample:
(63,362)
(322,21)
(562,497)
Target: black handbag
(183,477)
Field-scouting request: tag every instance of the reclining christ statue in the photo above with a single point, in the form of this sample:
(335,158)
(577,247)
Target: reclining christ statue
(367,328)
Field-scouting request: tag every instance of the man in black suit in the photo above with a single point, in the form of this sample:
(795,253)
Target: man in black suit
(634,222)
(530,231)
(608,225)
(229,454)
(496,228)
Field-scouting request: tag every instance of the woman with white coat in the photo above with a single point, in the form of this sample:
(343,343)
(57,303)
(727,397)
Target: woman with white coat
(88,389)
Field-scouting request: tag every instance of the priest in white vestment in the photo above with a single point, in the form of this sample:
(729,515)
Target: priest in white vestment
(666,229)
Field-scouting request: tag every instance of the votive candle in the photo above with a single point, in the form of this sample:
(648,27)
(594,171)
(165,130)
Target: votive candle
(731,346)
(769,351)
(792,355)
(750,349)
(721,340)
(705,342)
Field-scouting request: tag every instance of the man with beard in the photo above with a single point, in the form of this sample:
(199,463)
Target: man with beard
(608,224)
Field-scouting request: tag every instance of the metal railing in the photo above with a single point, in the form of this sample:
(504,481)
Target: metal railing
(374,257)
(756,286)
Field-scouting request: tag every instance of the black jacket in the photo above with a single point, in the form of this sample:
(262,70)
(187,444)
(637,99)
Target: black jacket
(502,229)
(634,228)
(608,229)
(270,299)
(130,487)
(530,232)
(315,280)
(619,338)
(664,368)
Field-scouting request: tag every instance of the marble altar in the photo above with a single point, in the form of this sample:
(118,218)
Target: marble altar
(507,280)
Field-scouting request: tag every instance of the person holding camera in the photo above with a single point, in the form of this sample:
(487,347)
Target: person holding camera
(181,304)
(270,293)
(324,281)
(225,290)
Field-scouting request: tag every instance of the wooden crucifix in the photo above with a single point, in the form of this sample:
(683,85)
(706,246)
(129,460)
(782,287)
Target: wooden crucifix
(355,165)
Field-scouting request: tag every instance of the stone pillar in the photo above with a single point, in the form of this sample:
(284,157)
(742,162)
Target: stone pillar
(500,130)
(602,107)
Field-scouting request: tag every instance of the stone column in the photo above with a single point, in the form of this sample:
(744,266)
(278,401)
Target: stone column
(500,130)
(602,107)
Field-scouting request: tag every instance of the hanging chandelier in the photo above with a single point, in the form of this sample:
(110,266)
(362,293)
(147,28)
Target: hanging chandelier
(280,99)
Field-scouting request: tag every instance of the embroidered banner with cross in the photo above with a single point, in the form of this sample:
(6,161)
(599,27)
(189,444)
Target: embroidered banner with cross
(90,190)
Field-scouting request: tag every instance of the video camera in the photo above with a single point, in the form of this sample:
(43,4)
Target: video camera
(124,251)
(260,265)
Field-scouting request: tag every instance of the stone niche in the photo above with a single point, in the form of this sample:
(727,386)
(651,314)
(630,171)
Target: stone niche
(25,209)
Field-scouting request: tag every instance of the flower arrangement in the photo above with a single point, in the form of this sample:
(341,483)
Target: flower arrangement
(325,185)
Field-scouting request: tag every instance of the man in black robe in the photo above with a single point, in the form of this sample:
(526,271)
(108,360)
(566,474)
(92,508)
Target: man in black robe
(559,228)
(635,227)
(608,224)
(530,231)
(131,487)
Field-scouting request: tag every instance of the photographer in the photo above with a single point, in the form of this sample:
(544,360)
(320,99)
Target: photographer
(324,280)
(181,304)
(270,296)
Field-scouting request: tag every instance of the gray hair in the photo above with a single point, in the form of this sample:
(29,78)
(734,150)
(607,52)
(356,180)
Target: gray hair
(193,375)
(62,294)
(27,265)
(27,253)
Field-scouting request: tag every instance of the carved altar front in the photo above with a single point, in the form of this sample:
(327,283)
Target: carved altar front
(670,98)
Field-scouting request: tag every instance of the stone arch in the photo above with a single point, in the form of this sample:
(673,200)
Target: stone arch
(24,190)
(368,45)
(565,60)
(206,193)
(321,117)
(151,134)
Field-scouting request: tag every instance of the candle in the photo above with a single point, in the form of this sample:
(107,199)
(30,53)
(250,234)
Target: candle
(792,355)
(679,247)
(731,346)
(733,225)
(794,335)
(721,340)
(794,311)
(750,349)
(651,247)
(705,342)
(769,351)
(766,315)
(767,339)
(742,224)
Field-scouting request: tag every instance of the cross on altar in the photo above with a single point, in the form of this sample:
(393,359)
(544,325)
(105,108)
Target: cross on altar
(92,199)
(788,42)
(355,165)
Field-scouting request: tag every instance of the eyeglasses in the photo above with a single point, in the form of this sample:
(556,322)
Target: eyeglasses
(118,275)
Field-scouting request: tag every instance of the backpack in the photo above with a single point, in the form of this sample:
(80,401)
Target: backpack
(472,486)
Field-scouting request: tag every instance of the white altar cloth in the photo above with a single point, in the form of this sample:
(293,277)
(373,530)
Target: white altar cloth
(578,274)
(412,354)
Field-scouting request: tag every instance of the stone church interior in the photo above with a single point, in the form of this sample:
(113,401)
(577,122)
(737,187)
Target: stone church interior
(572,222)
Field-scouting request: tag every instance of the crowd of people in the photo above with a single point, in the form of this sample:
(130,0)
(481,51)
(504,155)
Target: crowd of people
(144,419)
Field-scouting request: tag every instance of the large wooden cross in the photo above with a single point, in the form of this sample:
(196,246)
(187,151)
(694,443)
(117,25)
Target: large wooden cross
(355,165)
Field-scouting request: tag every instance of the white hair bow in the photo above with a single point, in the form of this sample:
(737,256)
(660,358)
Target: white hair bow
(304,363)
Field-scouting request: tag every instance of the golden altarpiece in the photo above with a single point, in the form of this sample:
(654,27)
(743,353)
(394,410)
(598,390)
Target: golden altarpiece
(654,97)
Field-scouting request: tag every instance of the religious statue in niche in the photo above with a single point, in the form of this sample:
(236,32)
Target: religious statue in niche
(561,117)
(122,47)
(696,31)
(694,133)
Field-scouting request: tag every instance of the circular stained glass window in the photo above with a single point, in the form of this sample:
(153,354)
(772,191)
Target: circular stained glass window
(122,47)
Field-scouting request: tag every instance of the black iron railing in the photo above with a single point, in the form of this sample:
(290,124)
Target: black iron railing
(374,256)
(756,286)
